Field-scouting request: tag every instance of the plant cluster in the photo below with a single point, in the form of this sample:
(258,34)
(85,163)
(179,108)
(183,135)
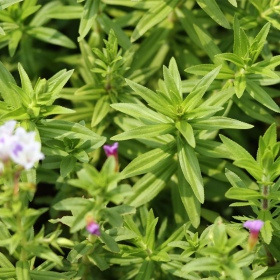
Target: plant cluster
(155,156)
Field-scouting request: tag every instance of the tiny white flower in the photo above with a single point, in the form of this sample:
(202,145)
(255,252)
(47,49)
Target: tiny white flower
(6,136)
(25,150)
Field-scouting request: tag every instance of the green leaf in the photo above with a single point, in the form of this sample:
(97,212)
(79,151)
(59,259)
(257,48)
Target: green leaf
(140,112)
(149,186)
(15,38)
(154,16)
(259,94)
(241,43)
(253,109)
(51,36)
(58,129)
(100,111)
(232,57)
(79,251)
(240,84)
(267,230)
(90,12)
(150,161)
(149,239)
(55,110)
(204,69)
(233,3)
(190,168)
(6,3)
(214,11)
(67,165)
(235,150)
(270,136)
(258,42)
(110,243)
(172,87)
(73,203)
(190,202)
(25,82)
(47,275)
(146,270)
(22,270)
(4,262)
(145,132)
(7,273)
(44,253)
(242,194)
(187,131)
(174,71)
(234,179)
(201,264)
(98,261)
(214,123)
(197,34)
(153,99)
(198,91)
(108,25)
(6,79)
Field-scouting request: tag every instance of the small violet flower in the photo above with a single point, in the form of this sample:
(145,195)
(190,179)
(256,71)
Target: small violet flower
(254,227)
(112,151)
(92,227)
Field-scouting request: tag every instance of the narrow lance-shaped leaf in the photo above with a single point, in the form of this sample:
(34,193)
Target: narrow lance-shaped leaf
(140,112)
(219,123)
(187,131)
(89,14)
(214,11)
(189,200)
(190,168)
(146,131)
(173,90)
(150,161)
(155,15)
(259,94)
(6,79)
(199,90)
(149,96)
(51,36)
(6,3)
(258,43)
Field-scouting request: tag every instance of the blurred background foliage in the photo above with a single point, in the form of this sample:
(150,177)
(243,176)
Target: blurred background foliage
(108,41)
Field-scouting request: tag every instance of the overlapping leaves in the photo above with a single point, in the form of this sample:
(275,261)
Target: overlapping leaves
(169,113)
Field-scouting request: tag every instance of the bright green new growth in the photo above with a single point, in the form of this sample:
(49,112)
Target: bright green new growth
(182,120)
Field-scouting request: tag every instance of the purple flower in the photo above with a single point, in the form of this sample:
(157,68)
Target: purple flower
(92,227)
(111,150)
(254,227)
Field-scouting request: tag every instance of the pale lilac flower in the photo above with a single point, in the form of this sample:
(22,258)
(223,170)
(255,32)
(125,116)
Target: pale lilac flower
(8,128)
(19,146)
(25,151)
(111,150)
(6,136)
(92,227)
(254,227)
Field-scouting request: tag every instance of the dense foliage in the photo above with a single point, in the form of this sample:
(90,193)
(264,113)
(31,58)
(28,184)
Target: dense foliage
(139,139)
